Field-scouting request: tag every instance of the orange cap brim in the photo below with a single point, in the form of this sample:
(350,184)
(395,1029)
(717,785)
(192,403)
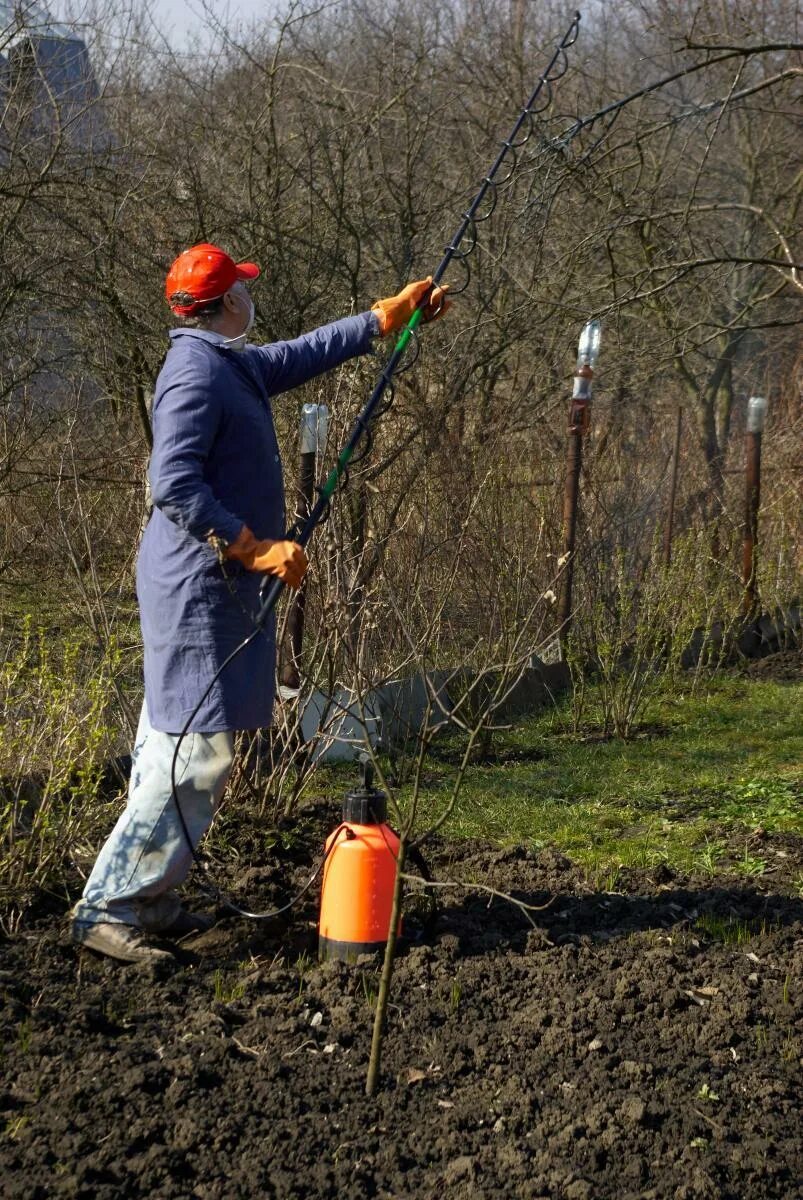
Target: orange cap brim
(247,271)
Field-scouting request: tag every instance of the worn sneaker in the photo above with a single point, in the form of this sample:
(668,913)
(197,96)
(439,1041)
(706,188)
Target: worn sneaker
(123,942)
(186,924)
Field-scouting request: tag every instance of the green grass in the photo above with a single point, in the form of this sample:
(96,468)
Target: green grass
(730,931)
(711,767)
(227,989)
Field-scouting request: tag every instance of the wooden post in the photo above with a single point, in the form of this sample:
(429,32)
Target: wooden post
(579,420)
(673,486)
(375,1059)
(756,411)
(314,421)
(571,492)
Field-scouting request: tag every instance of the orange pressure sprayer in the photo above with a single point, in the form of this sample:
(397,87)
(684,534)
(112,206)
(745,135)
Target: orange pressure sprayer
(358,876)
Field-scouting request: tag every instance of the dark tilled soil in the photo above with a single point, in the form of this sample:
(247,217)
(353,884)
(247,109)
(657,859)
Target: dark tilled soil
(641,1044)
(787,666)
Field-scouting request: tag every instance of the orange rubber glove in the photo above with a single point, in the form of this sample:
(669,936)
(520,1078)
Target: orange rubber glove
(395,312)
(285,559)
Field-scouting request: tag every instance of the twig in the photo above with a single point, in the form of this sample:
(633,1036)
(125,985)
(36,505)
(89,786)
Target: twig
(714,1124)
(250,1050)
(308,1042)
(481,887)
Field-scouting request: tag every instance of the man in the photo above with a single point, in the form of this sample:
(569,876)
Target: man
(216,529)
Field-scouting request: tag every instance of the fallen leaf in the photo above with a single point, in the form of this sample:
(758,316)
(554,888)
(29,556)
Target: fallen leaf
(415,1075)
(445,1104)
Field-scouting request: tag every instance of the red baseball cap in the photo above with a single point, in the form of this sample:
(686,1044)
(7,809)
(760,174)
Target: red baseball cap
(204,272)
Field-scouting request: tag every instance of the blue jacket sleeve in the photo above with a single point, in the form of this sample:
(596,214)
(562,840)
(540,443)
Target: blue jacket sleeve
(286,365)
(186,417)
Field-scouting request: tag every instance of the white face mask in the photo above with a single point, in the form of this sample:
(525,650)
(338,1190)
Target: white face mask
(238,343)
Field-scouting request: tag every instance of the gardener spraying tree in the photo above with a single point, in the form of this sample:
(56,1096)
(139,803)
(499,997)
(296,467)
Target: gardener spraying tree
(611,1032)
(217,530)
(201,615)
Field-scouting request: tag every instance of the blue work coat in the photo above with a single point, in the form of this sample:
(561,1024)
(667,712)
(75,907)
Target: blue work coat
(214,467)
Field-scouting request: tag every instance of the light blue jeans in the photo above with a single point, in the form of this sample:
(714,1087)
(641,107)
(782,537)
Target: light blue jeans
(146,855)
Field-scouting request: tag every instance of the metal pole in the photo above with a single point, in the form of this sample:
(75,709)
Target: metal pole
(673,487)
(314,422)
(756,411)
(579,420)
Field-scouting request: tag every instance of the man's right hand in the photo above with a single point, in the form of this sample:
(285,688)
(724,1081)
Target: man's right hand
(285,559)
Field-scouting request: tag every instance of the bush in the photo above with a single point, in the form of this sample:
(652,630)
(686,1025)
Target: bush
(636,623)
(55,742)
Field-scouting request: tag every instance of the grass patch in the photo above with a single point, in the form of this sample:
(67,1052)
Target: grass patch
(730,931)
(717,761)
(227,989)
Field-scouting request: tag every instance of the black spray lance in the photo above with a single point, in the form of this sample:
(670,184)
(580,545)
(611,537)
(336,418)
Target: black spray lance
(538,103)
(520,134)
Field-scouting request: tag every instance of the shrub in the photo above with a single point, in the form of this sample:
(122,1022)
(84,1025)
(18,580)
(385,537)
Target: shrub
(55,742)
(637,622)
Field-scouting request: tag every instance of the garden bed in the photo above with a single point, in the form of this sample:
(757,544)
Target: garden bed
(642,1043)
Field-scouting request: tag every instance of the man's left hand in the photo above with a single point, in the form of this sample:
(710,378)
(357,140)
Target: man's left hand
(394,313)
